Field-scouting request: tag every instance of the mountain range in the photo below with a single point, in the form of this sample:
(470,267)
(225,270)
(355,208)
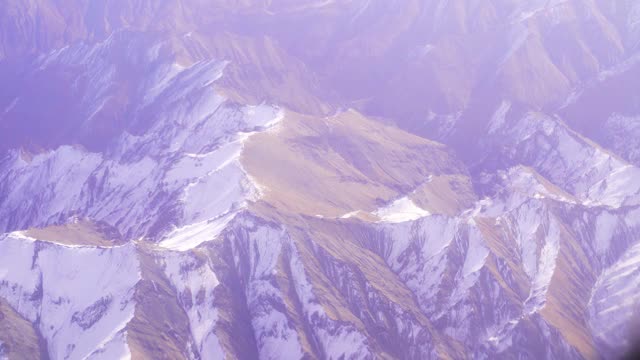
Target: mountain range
(319,179)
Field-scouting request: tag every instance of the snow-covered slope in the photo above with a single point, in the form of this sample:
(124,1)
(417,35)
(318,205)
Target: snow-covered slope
(178,179)
(614,302)
(592,174)
(80,298)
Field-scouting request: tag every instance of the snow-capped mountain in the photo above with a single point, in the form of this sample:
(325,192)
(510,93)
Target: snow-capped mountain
(359,179)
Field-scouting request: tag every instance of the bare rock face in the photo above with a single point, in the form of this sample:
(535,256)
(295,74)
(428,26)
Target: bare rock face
(359,179)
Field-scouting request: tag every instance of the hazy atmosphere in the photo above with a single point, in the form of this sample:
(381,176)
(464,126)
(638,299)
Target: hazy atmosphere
(330,179)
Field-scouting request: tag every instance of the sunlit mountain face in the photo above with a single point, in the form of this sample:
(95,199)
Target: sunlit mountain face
(330,179)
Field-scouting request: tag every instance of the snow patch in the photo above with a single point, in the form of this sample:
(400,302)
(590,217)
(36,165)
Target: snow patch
(417,253)
(606,225)
(260,250)
(116,348)
(475,258)
(197,281)
(401,210)
(83,297)
(351,214)
(191,236)
(546,268)
(339,341)
(615,300)
(499,117)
